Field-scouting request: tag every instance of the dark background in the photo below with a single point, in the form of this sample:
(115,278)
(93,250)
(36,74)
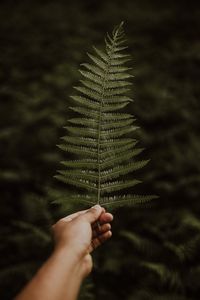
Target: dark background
(154,252)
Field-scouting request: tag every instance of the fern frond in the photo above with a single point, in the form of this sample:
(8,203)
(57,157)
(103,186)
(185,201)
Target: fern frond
(98,135)
(130,200)
(91,85)
(110,152)
(91,76)
(118,185)
(80,150)
(90,132)
(120,158)
(100,63)
(111,125)
(84,121)
(86,102)
(88,92)
(109,108)
(79,140)
(114,92)
(114,99)
(85,111)
(77,182)
(101,54)
(117,69)
(84,174)
(117,83)
(87,164)
(116,142)
(94,69)
(122,170)
(117,116)
(119,76)
(117,132)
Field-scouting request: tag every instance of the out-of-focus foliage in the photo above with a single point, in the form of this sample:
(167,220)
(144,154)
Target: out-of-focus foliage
(154,250)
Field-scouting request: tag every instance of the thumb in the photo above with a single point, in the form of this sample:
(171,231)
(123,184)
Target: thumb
(93,213)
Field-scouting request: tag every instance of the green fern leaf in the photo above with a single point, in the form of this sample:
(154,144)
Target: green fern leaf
(98,137)
(102,54)
(122,170)
(91,85)
(119,76)
(86,164)
(118,116)
(101,64)
(116,84)
(112,143)
(91,76)
(86,102)
(79,140)
(79,150)
(85,111)
(84,121)
(94,69)
(88,92)
(111,107)
(110,125)
(90,132)
(79,183)
(130,200)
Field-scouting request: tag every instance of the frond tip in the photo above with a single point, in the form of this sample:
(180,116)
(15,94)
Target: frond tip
(102,152)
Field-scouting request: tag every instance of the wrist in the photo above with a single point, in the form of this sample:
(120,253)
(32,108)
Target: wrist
(76,249)
(69,258)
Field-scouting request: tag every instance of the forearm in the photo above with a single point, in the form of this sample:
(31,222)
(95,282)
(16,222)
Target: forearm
(59,278)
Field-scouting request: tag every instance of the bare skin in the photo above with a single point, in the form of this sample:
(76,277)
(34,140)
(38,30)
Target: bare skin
(76,236)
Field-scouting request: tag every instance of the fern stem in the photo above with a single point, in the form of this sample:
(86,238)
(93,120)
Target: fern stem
(100,117)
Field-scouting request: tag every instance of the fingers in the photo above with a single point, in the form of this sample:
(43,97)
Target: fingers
(96,242)
(93,214)
(105,218)
(100,235)
(100,230)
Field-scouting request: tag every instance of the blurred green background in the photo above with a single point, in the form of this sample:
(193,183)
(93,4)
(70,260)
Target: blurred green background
(154,252)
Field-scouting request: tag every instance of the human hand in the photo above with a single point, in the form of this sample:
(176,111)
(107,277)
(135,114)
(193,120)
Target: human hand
(81,233)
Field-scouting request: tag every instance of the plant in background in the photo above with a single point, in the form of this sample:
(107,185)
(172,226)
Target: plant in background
(99,136)
(167,257)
